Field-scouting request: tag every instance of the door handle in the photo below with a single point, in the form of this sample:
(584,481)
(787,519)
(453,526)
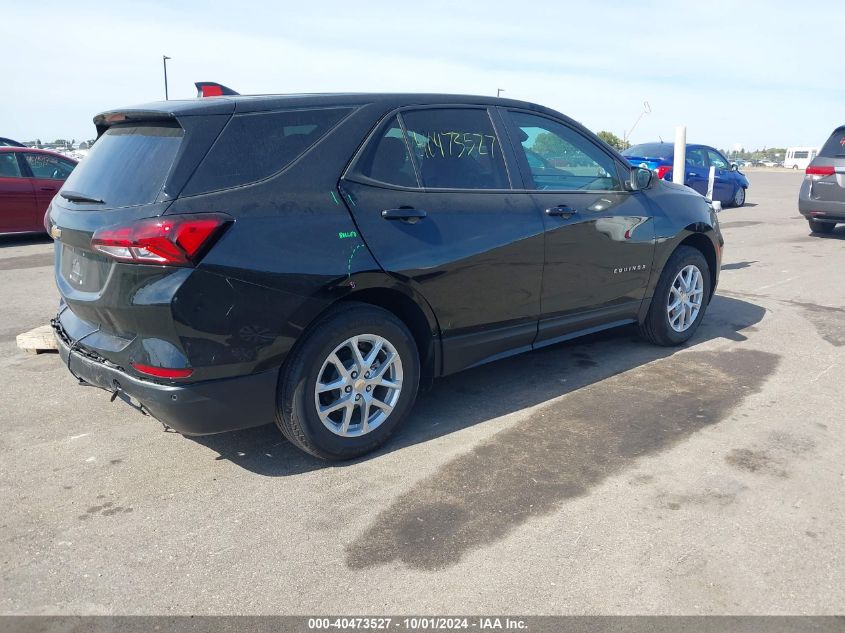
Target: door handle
(692,173)
(562,211)
(47,188)
(406,214)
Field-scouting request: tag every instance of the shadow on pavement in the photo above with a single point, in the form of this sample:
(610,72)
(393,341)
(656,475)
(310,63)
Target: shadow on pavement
(494,390)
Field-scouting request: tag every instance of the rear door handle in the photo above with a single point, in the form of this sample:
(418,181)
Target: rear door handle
(409,215)
(48,188)
(562,211)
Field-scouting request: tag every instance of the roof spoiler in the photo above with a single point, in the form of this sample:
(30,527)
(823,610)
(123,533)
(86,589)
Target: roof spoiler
(212,89)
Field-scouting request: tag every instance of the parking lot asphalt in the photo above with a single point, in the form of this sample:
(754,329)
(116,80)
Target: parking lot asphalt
(601,476)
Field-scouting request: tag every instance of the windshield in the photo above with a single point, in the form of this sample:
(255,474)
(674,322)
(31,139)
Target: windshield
(128,164)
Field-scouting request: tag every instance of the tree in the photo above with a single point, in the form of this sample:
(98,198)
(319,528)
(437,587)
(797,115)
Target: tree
(549,144)
(614,141)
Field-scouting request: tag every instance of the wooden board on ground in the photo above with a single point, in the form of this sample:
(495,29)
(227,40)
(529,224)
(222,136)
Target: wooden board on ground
(38,340)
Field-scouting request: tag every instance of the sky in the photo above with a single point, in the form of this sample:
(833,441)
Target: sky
(737,73)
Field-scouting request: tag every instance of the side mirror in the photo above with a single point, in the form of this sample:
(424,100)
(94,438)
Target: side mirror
(734,167)
(641,178)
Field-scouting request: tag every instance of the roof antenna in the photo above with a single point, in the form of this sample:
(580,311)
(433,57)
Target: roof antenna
(660,137)
(212,89)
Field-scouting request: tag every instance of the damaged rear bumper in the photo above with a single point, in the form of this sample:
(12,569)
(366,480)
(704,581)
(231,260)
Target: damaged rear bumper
(201,408)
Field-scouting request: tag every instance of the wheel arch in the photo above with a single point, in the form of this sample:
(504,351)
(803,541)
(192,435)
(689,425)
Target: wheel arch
(704,244)
(702,241)
(416,314)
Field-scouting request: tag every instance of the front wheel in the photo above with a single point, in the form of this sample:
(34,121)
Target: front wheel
(349,383)
(819,226)
(739,197)
(680,299)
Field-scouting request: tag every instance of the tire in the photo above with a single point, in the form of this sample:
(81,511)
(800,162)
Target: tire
(739,197)
(656,327)
(297,401)
(819,226)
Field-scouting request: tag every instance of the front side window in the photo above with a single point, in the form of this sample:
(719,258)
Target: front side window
(716,160)
(46,166)
(696,158)
(561,159)
(387,158)
(9,167)
(456,148)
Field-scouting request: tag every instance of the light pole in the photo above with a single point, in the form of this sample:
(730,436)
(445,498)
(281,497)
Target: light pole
(164,59)
(499,91)
(646,110)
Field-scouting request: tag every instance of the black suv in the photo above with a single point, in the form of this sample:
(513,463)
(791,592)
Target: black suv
(313,259)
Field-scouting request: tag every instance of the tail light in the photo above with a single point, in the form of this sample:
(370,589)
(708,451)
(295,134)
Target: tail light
(817,172)
(176,240)
(162,372)
(662,171)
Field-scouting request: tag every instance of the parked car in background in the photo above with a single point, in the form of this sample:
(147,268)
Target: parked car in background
(312,259)
(7,142)
(29,178)
(771,163)
(730,186)
(822,196)
(799,157)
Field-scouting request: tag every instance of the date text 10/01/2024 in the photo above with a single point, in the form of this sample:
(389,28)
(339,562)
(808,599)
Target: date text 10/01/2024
(417,623)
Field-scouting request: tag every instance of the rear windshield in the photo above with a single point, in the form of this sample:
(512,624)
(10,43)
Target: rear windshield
(835,146)
(255,146)
(650,150)
(128,164)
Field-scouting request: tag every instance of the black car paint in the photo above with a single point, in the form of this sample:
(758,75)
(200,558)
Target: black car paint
(313,235)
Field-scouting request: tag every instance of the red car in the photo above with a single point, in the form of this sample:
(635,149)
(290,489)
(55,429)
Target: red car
(29,178)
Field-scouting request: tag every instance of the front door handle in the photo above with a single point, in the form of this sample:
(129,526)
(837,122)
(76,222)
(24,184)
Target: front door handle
(48,188)
(562,211)
(406,214)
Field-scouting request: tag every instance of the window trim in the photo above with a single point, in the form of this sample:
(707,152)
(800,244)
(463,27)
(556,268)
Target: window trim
(354,174)
(522,161)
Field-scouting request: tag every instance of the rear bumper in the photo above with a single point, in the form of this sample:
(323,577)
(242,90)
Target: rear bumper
(202,408)
(821,209)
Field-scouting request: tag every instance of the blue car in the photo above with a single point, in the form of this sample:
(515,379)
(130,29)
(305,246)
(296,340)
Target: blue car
(729,187)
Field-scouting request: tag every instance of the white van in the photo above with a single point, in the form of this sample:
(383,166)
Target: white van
(799,157)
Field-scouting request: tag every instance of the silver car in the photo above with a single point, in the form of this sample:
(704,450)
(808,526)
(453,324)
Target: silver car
(822,197)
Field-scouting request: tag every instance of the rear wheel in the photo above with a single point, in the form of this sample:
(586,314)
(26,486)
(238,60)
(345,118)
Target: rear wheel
(349,383)
(680,299)
(820,226)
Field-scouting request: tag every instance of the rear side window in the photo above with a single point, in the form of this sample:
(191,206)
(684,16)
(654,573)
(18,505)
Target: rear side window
(835,146)
(456,148)
(387,158)
(128,164)
(9,167)
(255,146)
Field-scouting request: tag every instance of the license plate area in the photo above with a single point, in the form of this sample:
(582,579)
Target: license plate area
(84,270)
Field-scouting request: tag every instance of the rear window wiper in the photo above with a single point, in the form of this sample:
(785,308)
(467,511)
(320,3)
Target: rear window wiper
(73,196)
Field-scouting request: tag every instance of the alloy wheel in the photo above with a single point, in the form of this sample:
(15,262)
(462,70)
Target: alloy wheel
(686,295)
(358,385)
